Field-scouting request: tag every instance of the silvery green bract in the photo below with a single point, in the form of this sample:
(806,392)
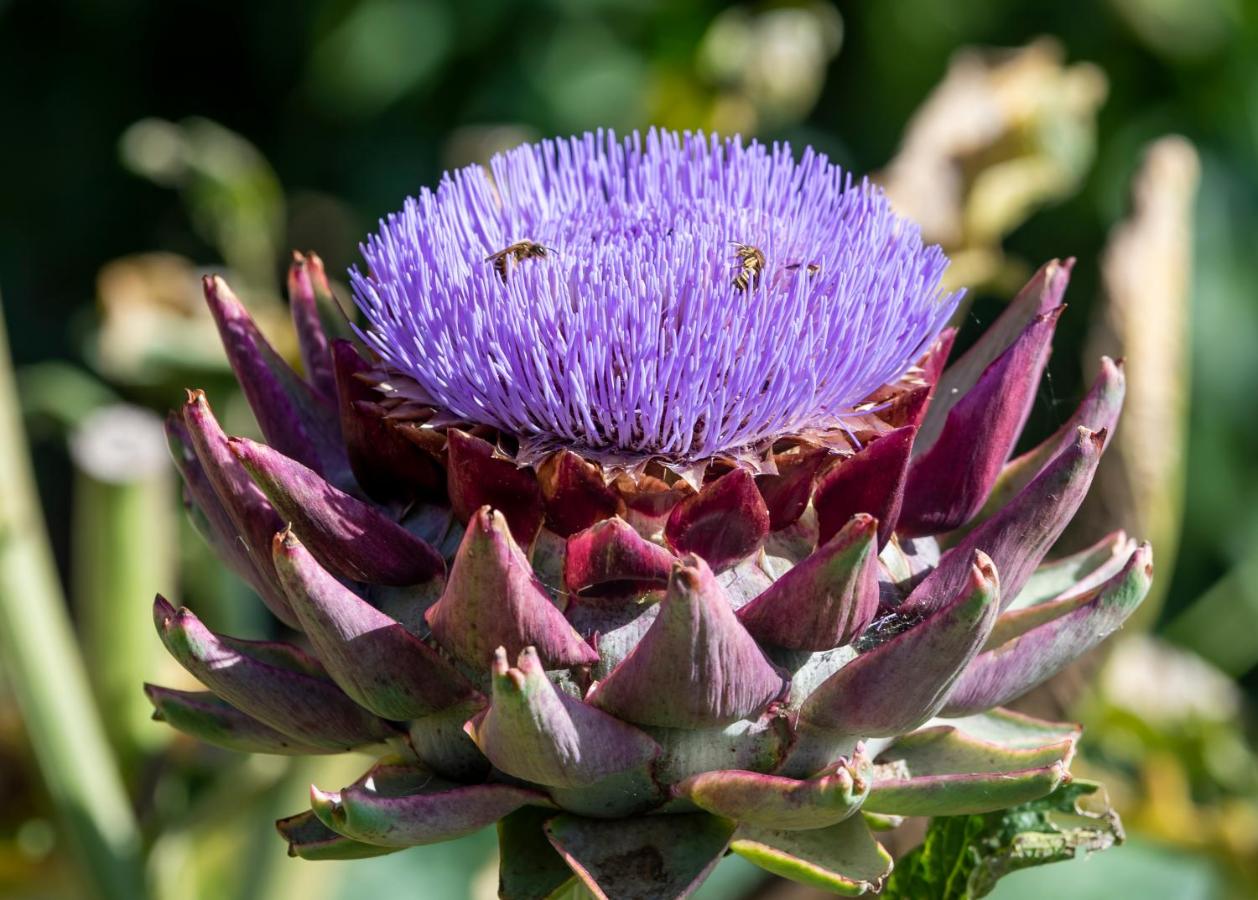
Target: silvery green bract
(639,544)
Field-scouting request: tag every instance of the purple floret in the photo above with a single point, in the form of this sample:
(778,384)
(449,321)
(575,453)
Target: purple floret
(629,337)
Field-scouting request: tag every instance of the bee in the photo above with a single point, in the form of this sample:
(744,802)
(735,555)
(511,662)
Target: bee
(749,265)
(517,253)
(810,268)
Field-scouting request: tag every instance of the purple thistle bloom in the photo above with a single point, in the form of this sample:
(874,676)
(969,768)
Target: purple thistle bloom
(631,334)
(713,641)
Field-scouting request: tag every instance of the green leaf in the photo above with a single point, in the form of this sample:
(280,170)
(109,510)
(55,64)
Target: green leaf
(647,857)
(842,859)
(963,857)
(529,868)
(946,771)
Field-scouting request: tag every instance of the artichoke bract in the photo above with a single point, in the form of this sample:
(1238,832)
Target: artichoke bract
(647,520)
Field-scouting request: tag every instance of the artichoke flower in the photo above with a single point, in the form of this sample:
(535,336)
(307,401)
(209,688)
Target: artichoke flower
(645,520)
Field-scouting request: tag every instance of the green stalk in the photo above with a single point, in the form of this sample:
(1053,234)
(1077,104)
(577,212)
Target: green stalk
(47,675)
(124,543)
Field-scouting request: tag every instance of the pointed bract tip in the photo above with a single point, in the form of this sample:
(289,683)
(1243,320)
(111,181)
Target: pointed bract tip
(1052,315)
(529,661)
(283,826)
(328,802)
(219,294)
(317,272)
(861,523)
(163,612)
(195,395)
(504,677)
(1059,268)
(982,570)
(284,541)
(486,518)
(152,692)
(349,358)
(687,573)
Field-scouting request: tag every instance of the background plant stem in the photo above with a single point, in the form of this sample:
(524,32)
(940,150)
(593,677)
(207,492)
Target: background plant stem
(38,649)
(123,548)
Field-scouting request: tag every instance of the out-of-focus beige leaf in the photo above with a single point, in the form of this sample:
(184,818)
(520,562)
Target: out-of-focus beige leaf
(1144,317)
(1004,133)
(153,320)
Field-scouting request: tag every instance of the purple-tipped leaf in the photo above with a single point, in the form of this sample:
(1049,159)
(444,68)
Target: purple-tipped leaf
(254,519)
(215,524)
(376,661)
(211,719)
(255,679)
(904,682)
(646,858)
(935,359)
(295,420)
(950,482)
(575,494)
(722,523)
(1087,567)
(825,601)
(771,801)
(1027,659)
(306,280)
(649,500)
(493,600)
(1041,294)
(386,464)
(945,771)
(345,534)
(536,733)
(696,666)
(1098,411)
(308,838)
(787,492)
(397,805)
(1018,537)
(611,552)
(870,481)
(477,478)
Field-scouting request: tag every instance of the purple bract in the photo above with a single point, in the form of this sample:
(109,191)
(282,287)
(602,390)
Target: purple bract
(631,336)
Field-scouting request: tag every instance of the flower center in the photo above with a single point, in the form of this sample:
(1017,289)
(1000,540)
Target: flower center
(662,296)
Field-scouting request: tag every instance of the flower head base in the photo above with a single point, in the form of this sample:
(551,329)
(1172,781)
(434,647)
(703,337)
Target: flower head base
(676,296)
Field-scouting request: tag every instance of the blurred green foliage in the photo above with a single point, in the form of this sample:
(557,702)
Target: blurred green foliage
(149,141)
